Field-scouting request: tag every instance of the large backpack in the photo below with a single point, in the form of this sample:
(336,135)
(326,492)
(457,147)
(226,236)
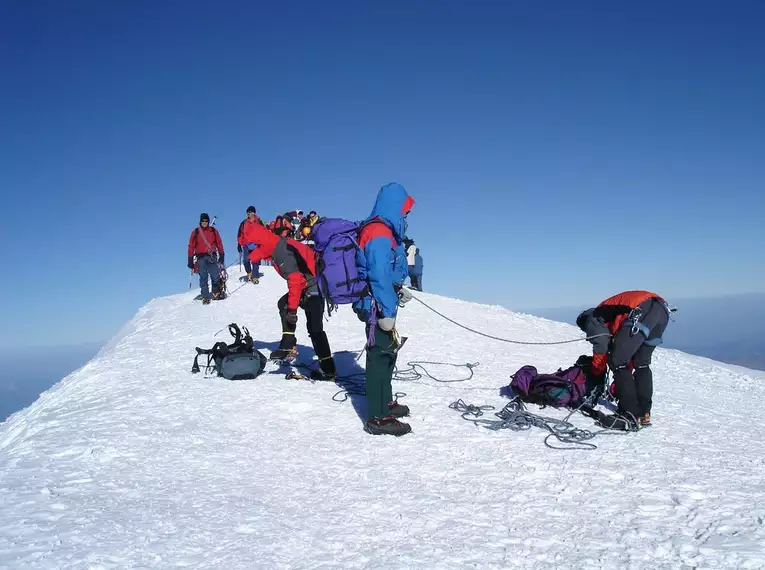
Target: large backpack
(236,361)
(336,243)
(283,226)
(562,389)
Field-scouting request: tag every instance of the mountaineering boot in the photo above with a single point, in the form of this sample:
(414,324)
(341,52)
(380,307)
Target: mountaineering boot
(645,420)
(387,426)
(326,370)
(398,410)
(205,300)
(327,365)
(292,375)
(589,411)
(252,279)
(323,376)
(617,422)
(284,354)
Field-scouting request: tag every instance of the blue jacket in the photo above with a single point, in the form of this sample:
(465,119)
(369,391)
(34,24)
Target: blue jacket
(383,263)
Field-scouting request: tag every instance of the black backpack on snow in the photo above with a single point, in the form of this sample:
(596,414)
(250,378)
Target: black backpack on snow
(237,361)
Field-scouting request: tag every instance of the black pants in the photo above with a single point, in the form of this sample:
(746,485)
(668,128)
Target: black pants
(635,391)
(313,306)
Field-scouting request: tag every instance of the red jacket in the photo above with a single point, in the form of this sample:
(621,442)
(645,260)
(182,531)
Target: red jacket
(374,229)
(197,245)
(293,260)
(246,223)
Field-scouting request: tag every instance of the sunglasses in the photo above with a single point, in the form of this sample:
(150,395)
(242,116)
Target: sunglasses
(204,222)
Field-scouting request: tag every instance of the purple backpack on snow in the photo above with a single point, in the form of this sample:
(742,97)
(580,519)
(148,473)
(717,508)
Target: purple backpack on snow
(564,388)
(336,243)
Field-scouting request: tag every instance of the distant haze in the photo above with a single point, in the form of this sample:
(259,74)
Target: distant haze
(27,372)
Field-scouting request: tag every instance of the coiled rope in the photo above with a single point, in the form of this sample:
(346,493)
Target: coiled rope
(515,417)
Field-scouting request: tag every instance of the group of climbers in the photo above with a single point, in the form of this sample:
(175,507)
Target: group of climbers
(624,329)
(294,224)
(205,250)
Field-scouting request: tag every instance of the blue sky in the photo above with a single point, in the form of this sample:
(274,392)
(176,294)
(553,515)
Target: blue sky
(558,151)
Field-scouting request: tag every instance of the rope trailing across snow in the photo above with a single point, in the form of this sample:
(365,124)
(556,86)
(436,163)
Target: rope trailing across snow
(411,374)
(505,339)
(353,384)
(237,289)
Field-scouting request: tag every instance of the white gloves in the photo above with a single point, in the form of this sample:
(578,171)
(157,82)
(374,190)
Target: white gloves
(404,296)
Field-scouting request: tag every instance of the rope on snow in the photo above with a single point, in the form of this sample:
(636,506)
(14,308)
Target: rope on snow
(504,339)
(515,417)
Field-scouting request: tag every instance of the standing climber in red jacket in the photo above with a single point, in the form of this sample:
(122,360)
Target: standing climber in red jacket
(206,245)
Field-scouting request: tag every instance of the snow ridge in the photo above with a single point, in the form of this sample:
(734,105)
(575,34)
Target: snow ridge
(133,462)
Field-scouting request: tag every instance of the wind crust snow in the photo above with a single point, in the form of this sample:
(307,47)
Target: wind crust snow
(133,462)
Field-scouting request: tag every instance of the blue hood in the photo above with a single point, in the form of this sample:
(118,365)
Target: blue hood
(389,205)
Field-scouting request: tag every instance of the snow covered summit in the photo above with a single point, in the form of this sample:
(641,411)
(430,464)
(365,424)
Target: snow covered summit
(133,462)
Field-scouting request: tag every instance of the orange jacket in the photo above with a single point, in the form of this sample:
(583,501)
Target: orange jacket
(616,309)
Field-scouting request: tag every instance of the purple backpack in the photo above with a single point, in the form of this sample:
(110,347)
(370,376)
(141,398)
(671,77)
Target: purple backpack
(336,243)
(564,388)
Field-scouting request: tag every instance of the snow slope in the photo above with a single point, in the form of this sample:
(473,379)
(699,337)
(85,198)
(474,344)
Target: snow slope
(133,462)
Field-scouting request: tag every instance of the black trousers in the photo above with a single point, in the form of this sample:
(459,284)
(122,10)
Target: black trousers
(635,391)
(313,307)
